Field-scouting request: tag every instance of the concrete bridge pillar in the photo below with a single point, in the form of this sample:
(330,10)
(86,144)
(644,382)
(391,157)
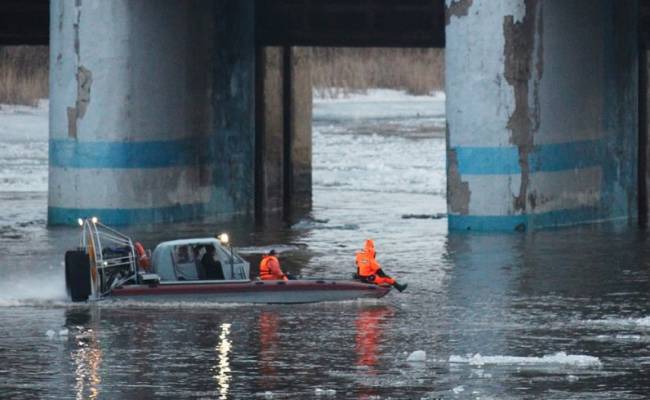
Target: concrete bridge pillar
(151,110)
(542,112)
(283,124)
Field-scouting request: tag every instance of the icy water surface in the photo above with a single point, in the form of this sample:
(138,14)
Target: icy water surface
(558,314)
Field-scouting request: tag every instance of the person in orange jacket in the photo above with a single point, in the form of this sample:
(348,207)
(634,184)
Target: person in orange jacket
(270,268)
(369,270)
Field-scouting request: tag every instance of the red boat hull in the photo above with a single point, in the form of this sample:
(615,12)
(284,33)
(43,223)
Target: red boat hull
(279,292)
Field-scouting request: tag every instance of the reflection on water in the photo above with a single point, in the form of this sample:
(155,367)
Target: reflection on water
(369,324)
(268,342)
(222,369)
(86,354)
(88,359)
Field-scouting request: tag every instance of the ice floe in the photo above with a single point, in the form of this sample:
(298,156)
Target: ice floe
(324,392)
(560,358)
(417,356)
(622,322)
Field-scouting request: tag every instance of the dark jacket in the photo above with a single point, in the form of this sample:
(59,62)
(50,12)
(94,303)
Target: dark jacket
(212,267)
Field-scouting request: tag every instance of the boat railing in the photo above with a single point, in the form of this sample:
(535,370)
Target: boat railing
(111,254)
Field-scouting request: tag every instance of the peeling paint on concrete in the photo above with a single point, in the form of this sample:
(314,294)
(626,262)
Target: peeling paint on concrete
(458,191)
(84,81)
(457,8)
(518,64)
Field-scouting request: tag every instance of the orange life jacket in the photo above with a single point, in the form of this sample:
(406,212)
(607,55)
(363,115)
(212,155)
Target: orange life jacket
(365,259)
(265,270)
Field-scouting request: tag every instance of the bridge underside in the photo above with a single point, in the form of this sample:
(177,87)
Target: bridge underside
(174,110)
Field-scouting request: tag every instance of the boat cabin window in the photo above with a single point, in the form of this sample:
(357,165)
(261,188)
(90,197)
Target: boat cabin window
(192,262)
(185,263)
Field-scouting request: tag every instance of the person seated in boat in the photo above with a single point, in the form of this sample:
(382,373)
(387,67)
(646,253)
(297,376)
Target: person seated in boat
(270,268)
(211,266)
(369,270)
(183,254)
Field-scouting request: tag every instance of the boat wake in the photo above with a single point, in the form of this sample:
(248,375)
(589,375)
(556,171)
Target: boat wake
(37,291)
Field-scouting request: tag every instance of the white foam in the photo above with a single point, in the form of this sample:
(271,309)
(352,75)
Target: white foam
(50,333)
(560,358)
(64,332)
(417,356)
(458,389)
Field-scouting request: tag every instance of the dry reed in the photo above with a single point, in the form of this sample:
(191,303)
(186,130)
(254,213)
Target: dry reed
(337,71)
(23,74)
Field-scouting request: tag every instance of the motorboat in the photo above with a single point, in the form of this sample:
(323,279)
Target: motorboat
(110,265)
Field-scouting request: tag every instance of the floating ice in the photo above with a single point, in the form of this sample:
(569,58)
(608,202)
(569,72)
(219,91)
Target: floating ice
(324,392)
(417,356)
(458,389)
(342,96)
(560,358)
(64,332)
(50,333)
(280,248)
(619,337)
(624,322)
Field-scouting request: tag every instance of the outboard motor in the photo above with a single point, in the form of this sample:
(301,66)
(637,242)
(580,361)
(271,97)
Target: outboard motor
(77,275)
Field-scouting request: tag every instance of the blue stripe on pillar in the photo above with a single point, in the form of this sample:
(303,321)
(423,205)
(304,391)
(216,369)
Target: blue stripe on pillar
(543,158)
(123,216)
(67,153)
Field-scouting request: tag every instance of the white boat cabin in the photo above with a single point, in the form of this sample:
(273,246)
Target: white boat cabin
(198,260)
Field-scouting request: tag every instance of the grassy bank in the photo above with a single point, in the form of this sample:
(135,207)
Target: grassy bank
(335,71)
(23,74)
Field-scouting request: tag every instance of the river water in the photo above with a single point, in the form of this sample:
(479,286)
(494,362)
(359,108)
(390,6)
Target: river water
(558,314)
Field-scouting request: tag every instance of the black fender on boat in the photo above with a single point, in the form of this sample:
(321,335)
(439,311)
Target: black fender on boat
(77,275)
